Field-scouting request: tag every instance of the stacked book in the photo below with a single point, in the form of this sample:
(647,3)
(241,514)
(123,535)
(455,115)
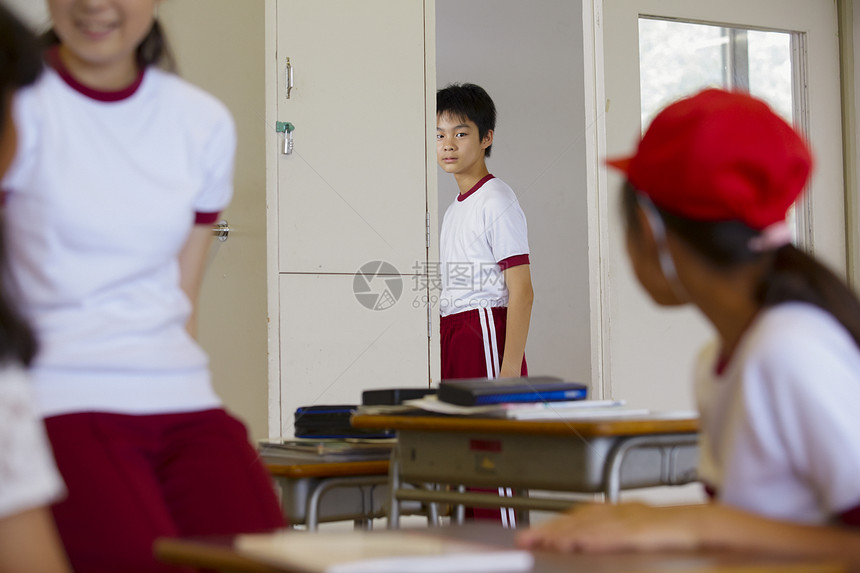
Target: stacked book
(329,450)
(526,398)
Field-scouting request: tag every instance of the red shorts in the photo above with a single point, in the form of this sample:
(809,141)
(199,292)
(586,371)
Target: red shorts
(132,479)
(473,343)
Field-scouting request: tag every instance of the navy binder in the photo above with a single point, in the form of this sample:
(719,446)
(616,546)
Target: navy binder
(485,391)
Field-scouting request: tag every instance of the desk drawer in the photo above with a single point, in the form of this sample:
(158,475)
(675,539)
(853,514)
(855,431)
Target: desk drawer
(562,463)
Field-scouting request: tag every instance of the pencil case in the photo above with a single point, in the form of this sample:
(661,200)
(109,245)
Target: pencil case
(331,421)
(392,396)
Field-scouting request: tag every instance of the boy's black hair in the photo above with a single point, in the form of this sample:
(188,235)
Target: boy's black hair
(792,275)
(20,65)
(468,101)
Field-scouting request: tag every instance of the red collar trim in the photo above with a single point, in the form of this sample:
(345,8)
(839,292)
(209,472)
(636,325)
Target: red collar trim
(52,56)
(478,185)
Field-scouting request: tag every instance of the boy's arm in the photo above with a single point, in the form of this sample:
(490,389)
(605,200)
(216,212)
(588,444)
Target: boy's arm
(520,296)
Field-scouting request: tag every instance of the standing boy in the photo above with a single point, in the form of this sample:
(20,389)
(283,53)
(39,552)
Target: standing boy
(486,283)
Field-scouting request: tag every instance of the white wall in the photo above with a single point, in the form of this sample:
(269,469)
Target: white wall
(220,46)
(34,12)
(529,57)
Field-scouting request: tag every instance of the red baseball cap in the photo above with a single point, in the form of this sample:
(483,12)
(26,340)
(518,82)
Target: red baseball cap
(720,156)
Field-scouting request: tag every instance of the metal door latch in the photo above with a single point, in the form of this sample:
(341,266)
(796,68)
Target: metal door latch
(287,129)
(221,230)
(289,78)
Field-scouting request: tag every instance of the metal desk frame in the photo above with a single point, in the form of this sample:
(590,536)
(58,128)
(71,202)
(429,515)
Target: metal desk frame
(588,457)
(303,484)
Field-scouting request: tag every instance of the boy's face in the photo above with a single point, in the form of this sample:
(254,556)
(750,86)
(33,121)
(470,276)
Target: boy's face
(459,148)
(8,136)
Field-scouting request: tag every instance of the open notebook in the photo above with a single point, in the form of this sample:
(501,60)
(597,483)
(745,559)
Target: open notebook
(380,552)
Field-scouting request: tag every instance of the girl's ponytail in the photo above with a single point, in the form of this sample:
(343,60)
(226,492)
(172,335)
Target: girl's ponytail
(154,51)
(20,65)
(796,276)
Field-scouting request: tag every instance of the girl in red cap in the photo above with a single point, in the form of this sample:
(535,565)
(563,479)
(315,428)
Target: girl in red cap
(705,205)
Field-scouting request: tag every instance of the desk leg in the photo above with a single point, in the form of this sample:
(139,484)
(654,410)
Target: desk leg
(393,486)
(460,509)
(313,503)
(612,475)
(433,509)
(612,479)
(367,509)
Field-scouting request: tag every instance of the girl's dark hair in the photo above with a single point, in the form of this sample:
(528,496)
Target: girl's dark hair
(471,102)
(20,65)
(153,50)
(792,275)
(20,61)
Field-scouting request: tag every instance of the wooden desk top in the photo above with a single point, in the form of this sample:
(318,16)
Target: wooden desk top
(219,554)
(587,428)
(306,469)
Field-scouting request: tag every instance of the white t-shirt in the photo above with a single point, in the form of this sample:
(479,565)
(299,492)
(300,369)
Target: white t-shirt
(481,229)
(28,476)
(780,425)
(100,200)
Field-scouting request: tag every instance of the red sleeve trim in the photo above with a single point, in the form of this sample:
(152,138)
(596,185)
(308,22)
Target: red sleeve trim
(3,197)
(850,517)
(514,261)
(206,218)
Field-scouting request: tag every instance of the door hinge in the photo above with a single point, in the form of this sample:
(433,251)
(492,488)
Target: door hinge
(429,317)
(427,228)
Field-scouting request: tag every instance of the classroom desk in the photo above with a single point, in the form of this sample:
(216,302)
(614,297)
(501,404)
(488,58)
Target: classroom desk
(586,456)
(314,491)
(219,554)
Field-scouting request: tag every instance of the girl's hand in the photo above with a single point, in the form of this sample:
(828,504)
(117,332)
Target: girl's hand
(623,527)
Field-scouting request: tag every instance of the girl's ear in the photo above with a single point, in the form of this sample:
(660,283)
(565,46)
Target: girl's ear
(488,140)
(644,255)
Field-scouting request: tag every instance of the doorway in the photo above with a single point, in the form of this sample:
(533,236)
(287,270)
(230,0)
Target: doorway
(652,53)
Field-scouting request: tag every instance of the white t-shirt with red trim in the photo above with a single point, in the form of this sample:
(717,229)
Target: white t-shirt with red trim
(100,199)
(28,476)
(483,233)
(780,424)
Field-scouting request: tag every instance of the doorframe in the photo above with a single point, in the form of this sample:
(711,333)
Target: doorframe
(848,73)
(272,231)
(596,171)
(596,201)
